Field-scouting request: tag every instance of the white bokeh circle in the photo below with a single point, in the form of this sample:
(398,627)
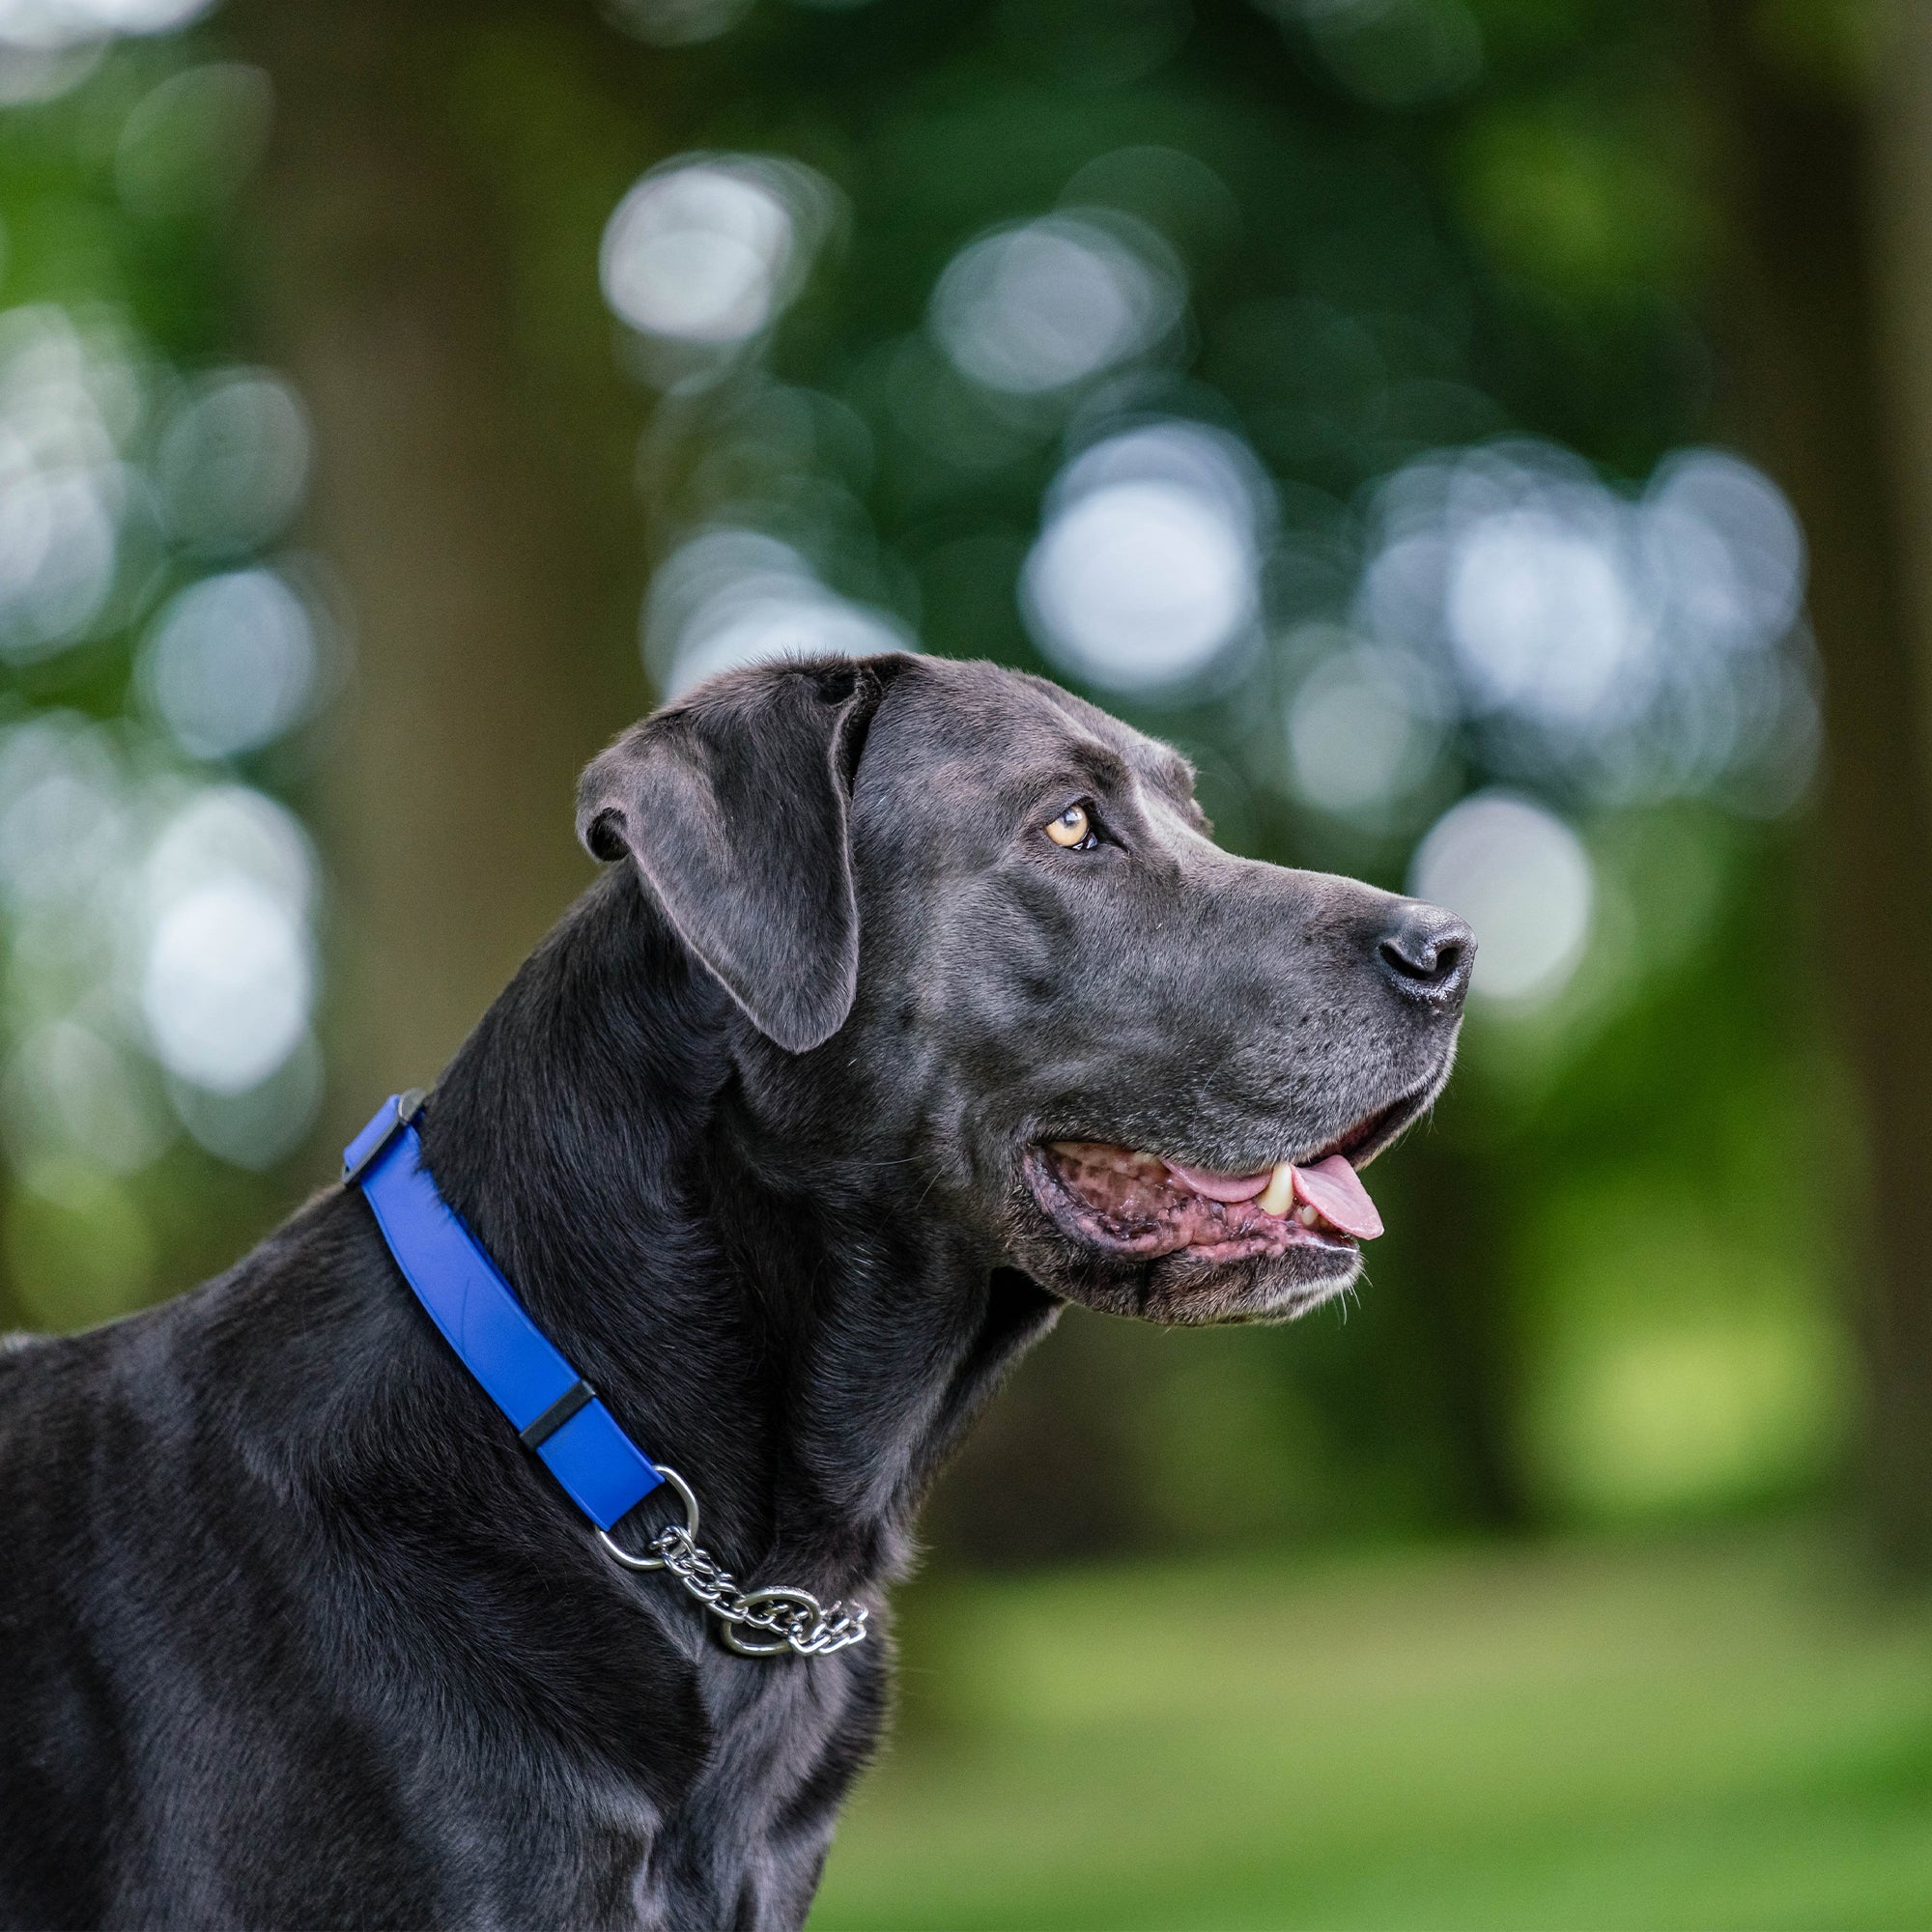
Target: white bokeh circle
(1523,881)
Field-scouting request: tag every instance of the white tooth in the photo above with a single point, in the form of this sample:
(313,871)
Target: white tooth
(1278,1196)
(1306,1216)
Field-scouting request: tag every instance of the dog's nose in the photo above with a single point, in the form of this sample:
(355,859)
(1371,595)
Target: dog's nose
(1426,954)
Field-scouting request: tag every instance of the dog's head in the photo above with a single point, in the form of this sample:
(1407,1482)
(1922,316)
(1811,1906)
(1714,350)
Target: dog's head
(984,948)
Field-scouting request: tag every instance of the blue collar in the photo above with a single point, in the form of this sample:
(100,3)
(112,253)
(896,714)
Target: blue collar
(552,1407)
(549,1405)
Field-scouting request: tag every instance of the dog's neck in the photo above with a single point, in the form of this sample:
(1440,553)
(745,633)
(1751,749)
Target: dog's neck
(754,1291)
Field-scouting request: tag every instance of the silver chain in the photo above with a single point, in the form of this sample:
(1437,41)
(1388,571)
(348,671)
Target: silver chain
(758,1623)
(795,1619)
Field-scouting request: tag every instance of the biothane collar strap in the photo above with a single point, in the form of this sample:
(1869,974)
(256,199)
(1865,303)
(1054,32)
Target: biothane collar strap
(555,1410)
(552,1407)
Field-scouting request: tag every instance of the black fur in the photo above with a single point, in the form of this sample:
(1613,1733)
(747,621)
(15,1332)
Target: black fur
(295,1633)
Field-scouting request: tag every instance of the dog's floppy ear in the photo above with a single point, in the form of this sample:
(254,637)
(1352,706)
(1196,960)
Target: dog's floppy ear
(736,806)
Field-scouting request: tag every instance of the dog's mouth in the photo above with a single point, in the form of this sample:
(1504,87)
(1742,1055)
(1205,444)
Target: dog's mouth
(1134,1203)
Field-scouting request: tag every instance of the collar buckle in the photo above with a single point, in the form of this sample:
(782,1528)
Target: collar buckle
(407,1106)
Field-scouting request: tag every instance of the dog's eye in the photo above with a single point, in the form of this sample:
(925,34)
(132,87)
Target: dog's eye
(1073,829)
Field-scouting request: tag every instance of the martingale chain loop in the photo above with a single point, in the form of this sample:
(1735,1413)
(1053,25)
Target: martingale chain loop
(767,1622)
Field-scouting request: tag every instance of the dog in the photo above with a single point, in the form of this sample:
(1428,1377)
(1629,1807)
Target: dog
(914,1004)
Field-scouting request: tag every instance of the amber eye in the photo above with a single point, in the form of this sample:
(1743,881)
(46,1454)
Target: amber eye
(1073,828)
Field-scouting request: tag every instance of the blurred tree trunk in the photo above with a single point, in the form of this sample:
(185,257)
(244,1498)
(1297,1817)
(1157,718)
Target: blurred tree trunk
(1457,1184)
(1810,314)
(429,221)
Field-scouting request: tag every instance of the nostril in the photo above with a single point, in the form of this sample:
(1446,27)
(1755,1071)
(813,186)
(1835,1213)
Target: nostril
(1410,962)
(1427,962)
(1428,953)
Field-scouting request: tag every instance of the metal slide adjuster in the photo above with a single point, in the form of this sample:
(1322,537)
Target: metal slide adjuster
(756,1623)
(407,1106)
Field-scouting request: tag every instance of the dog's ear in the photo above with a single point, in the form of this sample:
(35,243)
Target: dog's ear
(736,806)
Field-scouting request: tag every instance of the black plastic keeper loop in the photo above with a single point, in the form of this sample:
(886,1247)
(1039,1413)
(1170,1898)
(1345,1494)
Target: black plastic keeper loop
(577,1395)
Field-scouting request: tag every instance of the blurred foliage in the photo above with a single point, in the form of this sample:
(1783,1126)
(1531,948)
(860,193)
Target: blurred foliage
(1358,264)
(1374,267)
(160,654)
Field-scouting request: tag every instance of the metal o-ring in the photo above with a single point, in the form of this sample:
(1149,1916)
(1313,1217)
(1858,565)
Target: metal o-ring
(690,1503)
(735,1639)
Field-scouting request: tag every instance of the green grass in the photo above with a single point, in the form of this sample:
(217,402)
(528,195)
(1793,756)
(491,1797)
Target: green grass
(1725,1734)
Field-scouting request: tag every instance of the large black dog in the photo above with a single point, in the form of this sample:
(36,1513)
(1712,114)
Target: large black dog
(920,1004)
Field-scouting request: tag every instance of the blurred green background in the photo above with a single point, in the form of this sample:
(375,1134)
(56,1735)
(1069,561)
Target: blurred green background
(1492,436)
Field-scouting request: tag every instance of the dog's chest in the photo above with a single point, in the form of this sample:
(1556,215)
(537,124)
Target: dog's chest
(577,1841)
(746,1845)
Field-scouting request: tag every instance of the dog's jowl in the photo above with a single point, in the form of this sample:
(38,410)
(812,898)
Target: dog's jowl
(915,1003)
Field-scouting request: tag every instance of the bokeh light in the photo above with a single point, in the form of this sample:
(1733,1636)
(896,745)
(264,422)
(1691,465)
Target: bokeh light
(1642,647)
(190,144)
(226,832)
(1167,191)
(706,250)
(1036,308)
(73,1091)
(731,597)
(65,818)
(45,24)
(1539,616)
(1365,728)
(1395,53)
(226,989)
(1147,569)
(1522,880)
(230,664)
(149,916)
(1722,549)
(232,463)
(259,1125)
(67,400)
(676,23)
(48,48)
(226,975)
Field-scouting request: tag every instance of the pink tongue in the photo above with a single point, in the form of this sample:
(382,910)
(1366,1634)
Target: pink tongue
(1221,1187)
(1335,1191)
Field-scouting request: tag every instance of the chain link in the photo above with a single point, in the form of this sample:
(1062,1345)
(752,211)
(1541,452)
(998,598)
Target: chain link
(766,1622)
(795,1619)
